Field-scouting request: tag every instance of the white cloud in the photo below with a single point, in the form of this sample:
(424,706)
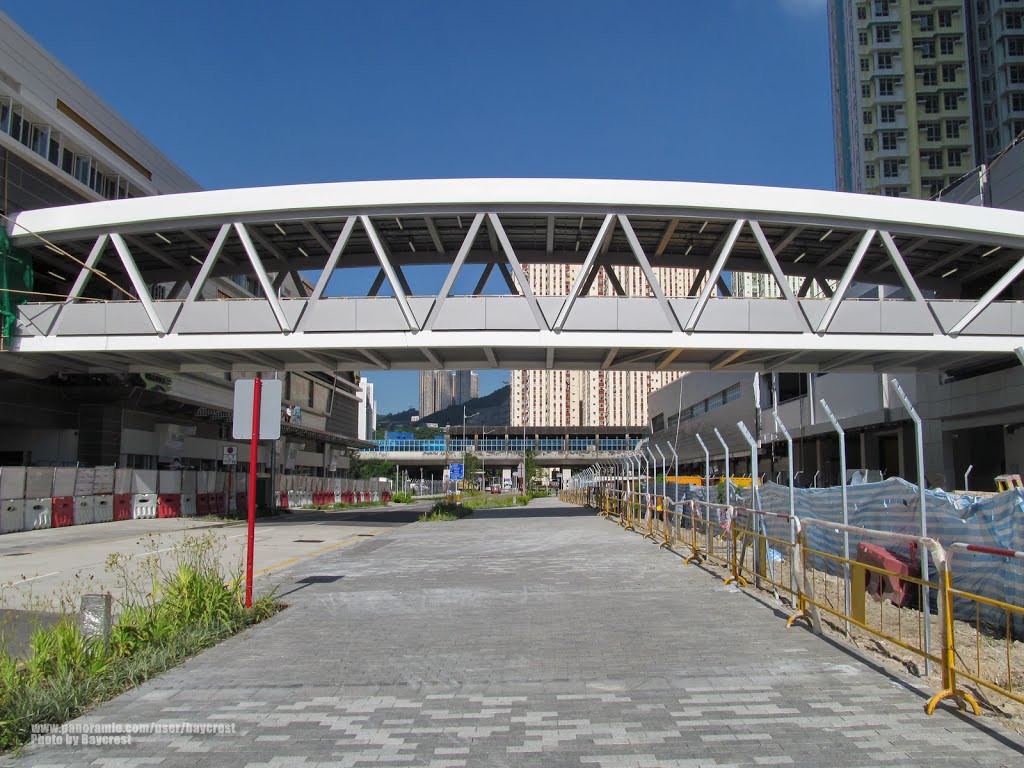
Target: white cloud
(804,7)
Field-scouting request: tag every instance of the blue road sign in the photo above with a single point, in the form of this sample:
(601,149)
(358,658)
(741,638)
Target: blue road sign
(455,471)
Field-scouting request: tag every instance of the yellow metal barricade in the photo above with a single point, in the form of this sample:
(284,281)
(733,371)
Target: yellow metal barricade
(903,625)
(769,557)
(990,641)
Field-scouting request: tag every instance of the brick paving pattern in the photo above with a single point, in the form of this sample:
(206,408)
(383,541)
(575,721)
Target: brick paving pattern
(542,637)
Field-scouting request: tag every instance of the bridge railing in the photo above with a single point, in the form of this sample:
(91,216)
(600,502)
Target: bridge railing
(958,633)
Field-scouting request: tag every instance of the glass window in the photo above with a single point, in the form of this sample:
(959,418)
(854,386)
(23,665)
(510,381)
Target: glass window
(865,91)
(869,144)
(927,49)
(932,131)
(951,100)
(1015,46)
(869,171)
(886,86)
(929,76)
(949,73)
(954,156)
(930,103)
(884,60)
(952,129)
(887,113)
(945,19)
(83,165)
(947,45)
(1017,102)
(890,168)
(1015,73)
(5,115)
(868,119)
(883,34)
(889,140)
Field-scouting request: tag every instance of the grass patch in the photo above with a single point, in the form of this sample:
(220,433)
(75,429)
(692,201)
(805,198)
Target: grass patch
(445,510)
(402,498)
(345,505)
(449,510)
(169,612)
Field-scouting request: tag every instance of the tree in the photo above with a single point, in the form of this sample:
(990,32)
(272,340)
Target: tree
(471,465)
(371,469)
(533,472)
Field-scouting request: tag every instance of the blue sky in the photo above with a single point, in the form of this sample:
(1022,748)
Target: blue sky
(258,93)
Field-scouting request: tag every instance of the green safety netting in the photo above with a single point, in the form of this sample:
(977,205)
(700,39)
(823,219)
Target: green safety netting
(16,276)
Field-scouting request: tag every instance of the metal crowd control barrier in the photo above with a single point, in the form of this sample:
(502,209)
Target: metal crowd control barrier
(750,544)
(955,663)
(888,626)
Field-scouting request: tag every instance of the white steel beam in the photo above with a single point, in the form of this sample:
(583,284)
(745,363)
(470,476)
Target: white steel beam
(549,358)
(141,289)
(269,292)
(434,235)
(432,357)
(482,282)
(777,273)
(716,271)
(901,266)
(316,234)
(724,360)
(82,280)
(645,266)
(374,358)
(668,359)
(492,358)
(609,358)
(844,284)
(517,269)
(666,236)
(385,263)
(453,272)
(378,281)
(990,295)
(581,276)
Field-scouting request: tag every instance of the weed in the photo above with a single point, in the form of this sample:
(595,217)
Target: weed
(168,612)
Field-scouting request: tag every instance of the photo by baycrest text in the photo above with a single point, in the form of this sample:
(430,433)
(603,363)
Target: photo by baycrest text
(109,734)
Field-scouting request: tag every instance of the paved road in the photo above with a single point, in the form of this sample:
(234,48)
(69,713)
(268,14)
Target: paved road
(40,568)
(538,637)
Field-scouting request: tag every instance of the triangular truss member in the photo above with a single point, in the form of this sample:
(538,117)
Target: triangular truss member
(385,264)
(328,271)
(851,270)
(714,275)
(517,275)
(130,268)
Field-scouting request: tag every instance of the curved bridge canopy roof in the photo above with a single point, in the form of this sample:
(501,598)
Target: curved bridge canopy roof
(948,277)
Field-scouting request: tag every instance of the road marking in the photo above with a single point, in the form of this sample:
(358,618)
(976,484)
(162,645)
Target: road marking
(15,583)
(283,563)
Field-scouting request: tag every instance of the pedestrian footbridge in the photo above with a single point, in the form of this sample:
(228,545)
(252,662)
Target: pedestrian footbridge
(433,274)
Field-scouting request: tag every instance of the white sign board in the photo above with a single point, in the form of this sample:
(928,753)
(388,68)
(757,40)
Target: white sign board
(230,455)
(270,409)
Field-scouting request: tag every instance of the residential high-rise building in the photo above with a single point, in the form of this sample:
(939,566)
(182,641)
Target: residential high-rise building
(367,422)
(997,42)
(441,389)
(903,92)
(591,398)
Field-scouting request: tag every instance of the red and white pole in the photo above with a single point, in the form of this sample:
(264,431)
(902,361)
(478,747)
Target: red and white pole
(254,446)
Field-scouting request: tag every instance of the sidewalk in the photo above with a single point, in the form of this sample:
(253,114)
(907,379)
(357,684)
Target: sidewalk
(542,636)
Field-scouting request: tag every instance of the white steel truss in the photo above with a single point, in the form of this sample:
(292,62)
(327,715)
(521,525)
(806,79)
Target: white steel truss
(938,282)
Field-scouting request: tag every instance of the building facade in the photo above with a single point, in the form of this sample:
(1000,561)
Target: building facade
(558,398)
(367,428)
(60,144)
(442,389)
(904,93)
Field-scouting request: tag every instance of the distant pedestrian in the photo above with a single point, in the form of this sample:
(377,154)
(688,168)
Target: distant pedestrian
(288,414)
